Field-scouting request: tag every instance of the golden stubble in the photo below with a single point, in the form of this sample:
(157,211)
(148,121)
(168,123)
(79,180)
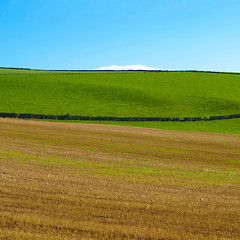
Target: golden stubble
(88,181)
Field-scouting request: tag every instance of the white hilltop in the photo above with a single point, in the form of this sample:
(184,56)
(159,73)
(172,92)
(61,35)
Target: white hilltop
(131,67)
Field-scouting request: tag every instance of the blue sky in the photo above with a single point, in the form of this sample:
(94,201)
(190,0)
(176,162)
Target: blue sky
(86,34)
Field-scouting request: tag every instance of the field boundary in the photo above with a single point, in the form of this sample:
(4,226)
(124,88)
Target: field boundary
(122,119)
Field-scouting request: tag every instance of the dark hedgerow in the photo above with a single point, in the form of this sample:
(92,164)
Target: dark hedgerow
(105,118)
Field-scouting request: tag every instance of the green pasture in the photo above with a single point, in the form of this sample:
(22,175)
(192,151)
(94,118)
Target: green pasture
(227,126)
(123,94)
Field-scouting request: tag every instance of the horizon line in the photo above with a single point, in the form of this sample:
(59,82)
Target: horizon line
(94,70)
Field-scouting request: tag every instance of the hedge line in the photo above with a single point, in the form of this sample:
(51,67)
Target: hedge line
(87,118)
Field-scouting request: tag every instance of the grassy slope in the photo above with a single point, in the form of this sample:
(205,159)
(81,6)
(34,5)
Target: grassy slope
(230,126)
(144,94)
(81,181)
(120,94)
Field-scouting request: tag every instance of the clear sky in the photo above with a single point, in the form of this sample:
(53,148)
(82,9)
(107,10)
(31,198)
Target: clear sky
(86,34)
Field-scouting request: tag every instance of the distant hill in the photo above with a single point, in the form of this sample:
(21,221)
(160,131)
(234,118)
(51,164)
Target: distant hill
(120,94)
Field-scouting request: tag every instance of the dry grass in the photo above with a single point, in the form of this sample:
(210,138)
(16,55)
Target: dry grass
(85,181)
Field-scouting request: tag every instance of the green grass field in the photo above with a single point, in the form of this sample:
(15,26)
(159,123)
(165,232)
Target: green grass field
(230,126)
(125,94)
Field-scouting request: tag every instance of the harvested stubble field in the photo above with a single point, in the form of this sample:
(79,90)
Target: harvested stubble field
(89,181)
